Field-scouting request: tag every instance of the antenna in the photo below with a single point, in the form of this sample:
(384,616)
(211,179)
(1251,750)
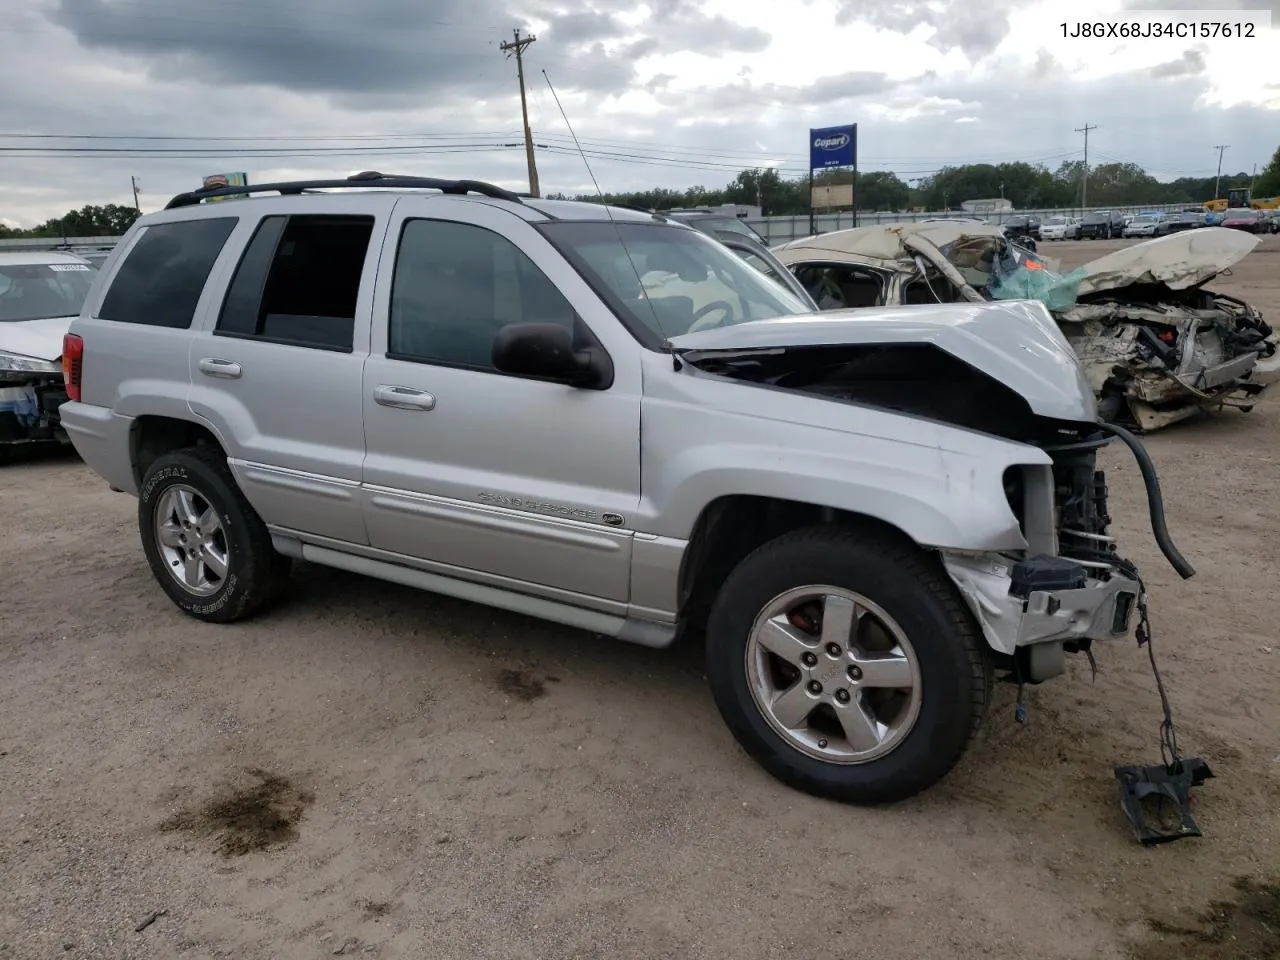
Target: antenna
(609,213)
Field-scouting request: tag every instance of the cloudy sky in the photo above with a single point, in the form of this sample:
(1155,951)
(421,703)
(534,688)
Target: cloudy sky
(661,93)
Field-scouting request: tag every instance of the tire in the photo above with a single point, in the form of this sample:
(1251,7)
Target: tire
(899,587)
(197,481)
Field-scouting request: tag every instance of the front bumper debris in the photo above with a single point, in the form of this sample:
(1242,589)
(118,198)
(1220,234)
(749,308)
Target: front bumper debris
(1093,609)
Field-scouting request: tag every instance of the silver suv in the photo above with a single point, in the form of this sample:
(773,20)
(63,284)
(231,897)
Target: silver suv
(609,420)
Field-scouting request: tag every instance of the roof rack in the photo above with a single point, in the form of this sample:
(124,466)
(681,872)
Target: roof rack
(368,178)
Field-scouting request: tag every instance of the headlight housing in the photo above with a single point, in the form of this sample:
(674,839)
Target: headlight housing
(16,363)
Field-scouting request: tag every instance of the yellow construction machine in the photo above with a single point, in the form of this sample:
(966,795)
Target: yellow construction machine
(1241,197)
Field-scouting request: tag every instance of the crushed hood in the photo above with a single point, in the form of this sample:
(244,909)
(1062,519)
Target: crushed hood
(1016,342)
(41,339)
(1179,261)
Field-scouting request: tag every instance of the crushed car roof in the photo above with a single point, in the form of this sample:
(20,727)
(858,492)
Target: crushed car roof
(881,242)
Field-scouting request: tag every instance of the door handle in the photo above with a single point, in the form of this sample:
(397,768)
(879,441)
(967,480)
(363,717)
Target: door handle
(225,369)
(403,398)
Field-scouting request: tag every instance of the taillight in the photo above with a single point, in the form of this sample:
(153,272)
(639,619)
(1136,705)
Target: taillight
(72,364)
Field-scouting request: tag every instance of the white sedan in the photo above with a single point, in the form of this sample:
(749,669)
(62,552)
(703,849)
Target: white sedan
(1060,228)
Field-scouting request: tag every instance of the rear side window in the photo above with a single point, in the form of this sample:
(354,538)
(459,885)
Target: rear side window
(162,277)
(298,281)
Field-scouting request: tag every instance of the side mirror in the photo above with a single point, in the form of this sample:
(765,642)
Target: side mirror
(545,351)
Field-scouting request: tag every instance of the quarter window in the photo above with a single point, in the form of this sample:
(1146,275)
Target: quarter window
(298,281)
(160,282)
(456,285)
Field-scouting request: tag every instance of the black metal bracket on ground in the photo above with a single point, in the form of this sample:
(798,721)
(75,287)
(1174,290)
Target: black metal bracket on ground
(1146,794)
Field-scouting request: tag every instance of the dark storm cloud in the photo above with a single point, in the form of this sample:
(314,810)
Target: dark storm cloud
(396,49)
(1190,63)
(976,29)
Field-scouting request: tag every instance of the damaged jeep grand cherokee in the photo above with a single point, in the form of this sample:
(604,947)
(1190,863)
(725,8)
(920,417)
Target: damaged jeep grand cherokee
(607,419)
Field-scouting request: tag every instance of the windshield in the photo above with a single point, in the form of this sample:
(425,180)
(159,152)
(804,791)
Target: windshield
(38,291)
(1144,219)
(664,280)
(1097,217)
(1243,215)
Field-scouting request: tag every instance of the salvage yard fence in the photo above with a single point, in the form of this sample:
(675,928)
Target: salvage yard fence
(775,229)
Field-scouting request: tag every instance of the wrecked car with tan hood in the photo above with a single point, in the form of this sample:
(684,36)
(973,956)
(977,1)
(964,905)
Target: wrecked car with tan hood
(1156,345)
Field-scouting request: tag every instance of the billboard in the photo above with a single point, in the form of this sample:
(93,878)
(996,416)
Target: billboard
(215,180)
(832,195)
(833,147)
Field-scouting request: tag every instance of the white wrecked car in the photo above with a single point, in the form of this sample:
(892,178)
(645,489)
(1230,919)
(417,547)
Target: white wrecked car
(1156,345)
(40,293)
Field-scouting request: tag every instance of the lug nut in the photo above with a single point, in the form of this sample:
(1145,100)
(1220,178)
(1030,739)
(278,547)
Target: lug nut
(842,695)
(809,659)
(855,673)
(822,744)
(815,686)
(834,649)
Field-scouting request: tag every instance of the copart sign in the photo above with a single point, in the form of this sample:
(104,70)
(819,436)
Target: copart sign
(833,147)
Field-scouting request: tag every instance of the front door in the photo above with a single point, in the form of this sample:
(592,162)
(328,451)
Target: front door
(515,482)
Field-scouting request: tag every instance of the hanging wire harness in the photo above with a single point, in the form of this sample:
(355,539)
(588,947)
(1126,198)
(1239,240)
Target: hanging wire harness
(1157,798)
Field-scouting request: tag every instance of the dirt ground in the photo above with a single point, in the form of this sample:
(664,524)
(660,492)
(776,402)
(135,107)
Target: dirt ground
(368,770)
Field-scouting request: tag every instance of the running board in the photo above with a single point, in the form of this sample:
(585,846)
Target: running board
(646,633)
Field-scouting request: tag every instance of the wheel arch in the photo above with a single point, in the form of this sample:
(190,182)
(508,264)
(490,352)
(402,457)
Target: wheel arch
(152,436)
(730,527)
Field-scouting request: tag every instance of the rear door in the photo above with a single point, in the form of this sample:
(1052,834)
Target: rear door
(521,483)
(276,373)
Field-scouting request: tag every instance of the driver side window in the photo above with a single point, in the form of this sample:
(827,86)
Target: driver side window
(455,286)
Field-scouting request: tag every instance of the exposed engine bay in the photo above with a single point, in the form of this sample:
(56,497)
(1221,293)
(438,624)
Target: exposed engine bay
(1159,354)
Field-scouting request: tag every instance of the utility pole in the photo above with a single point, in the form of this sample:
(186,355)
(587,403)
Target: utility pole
(136,205)
(1217,181)
(517,46)
(1084,171)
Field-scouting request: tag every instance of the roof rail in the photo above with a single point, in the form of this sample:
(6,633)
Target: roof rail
(656,214)
(368,178)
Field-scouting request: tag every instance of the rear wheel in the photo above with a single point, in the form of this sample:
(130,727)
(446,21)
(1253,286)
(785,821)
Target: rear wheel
(847,666)
(207,547)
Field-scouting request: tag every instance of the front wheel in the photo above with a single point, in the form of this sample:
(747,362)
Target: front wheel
(206,545)
(847,666)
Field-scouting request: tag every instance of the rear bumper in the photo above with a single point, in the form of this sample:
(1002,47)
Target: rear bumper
(102,439)
(1101,610)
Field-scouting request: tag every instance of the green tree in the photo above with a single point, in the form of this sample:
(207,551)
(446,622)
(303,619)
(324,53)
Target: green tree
(1124,184)
(882,190)
(1268,182)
